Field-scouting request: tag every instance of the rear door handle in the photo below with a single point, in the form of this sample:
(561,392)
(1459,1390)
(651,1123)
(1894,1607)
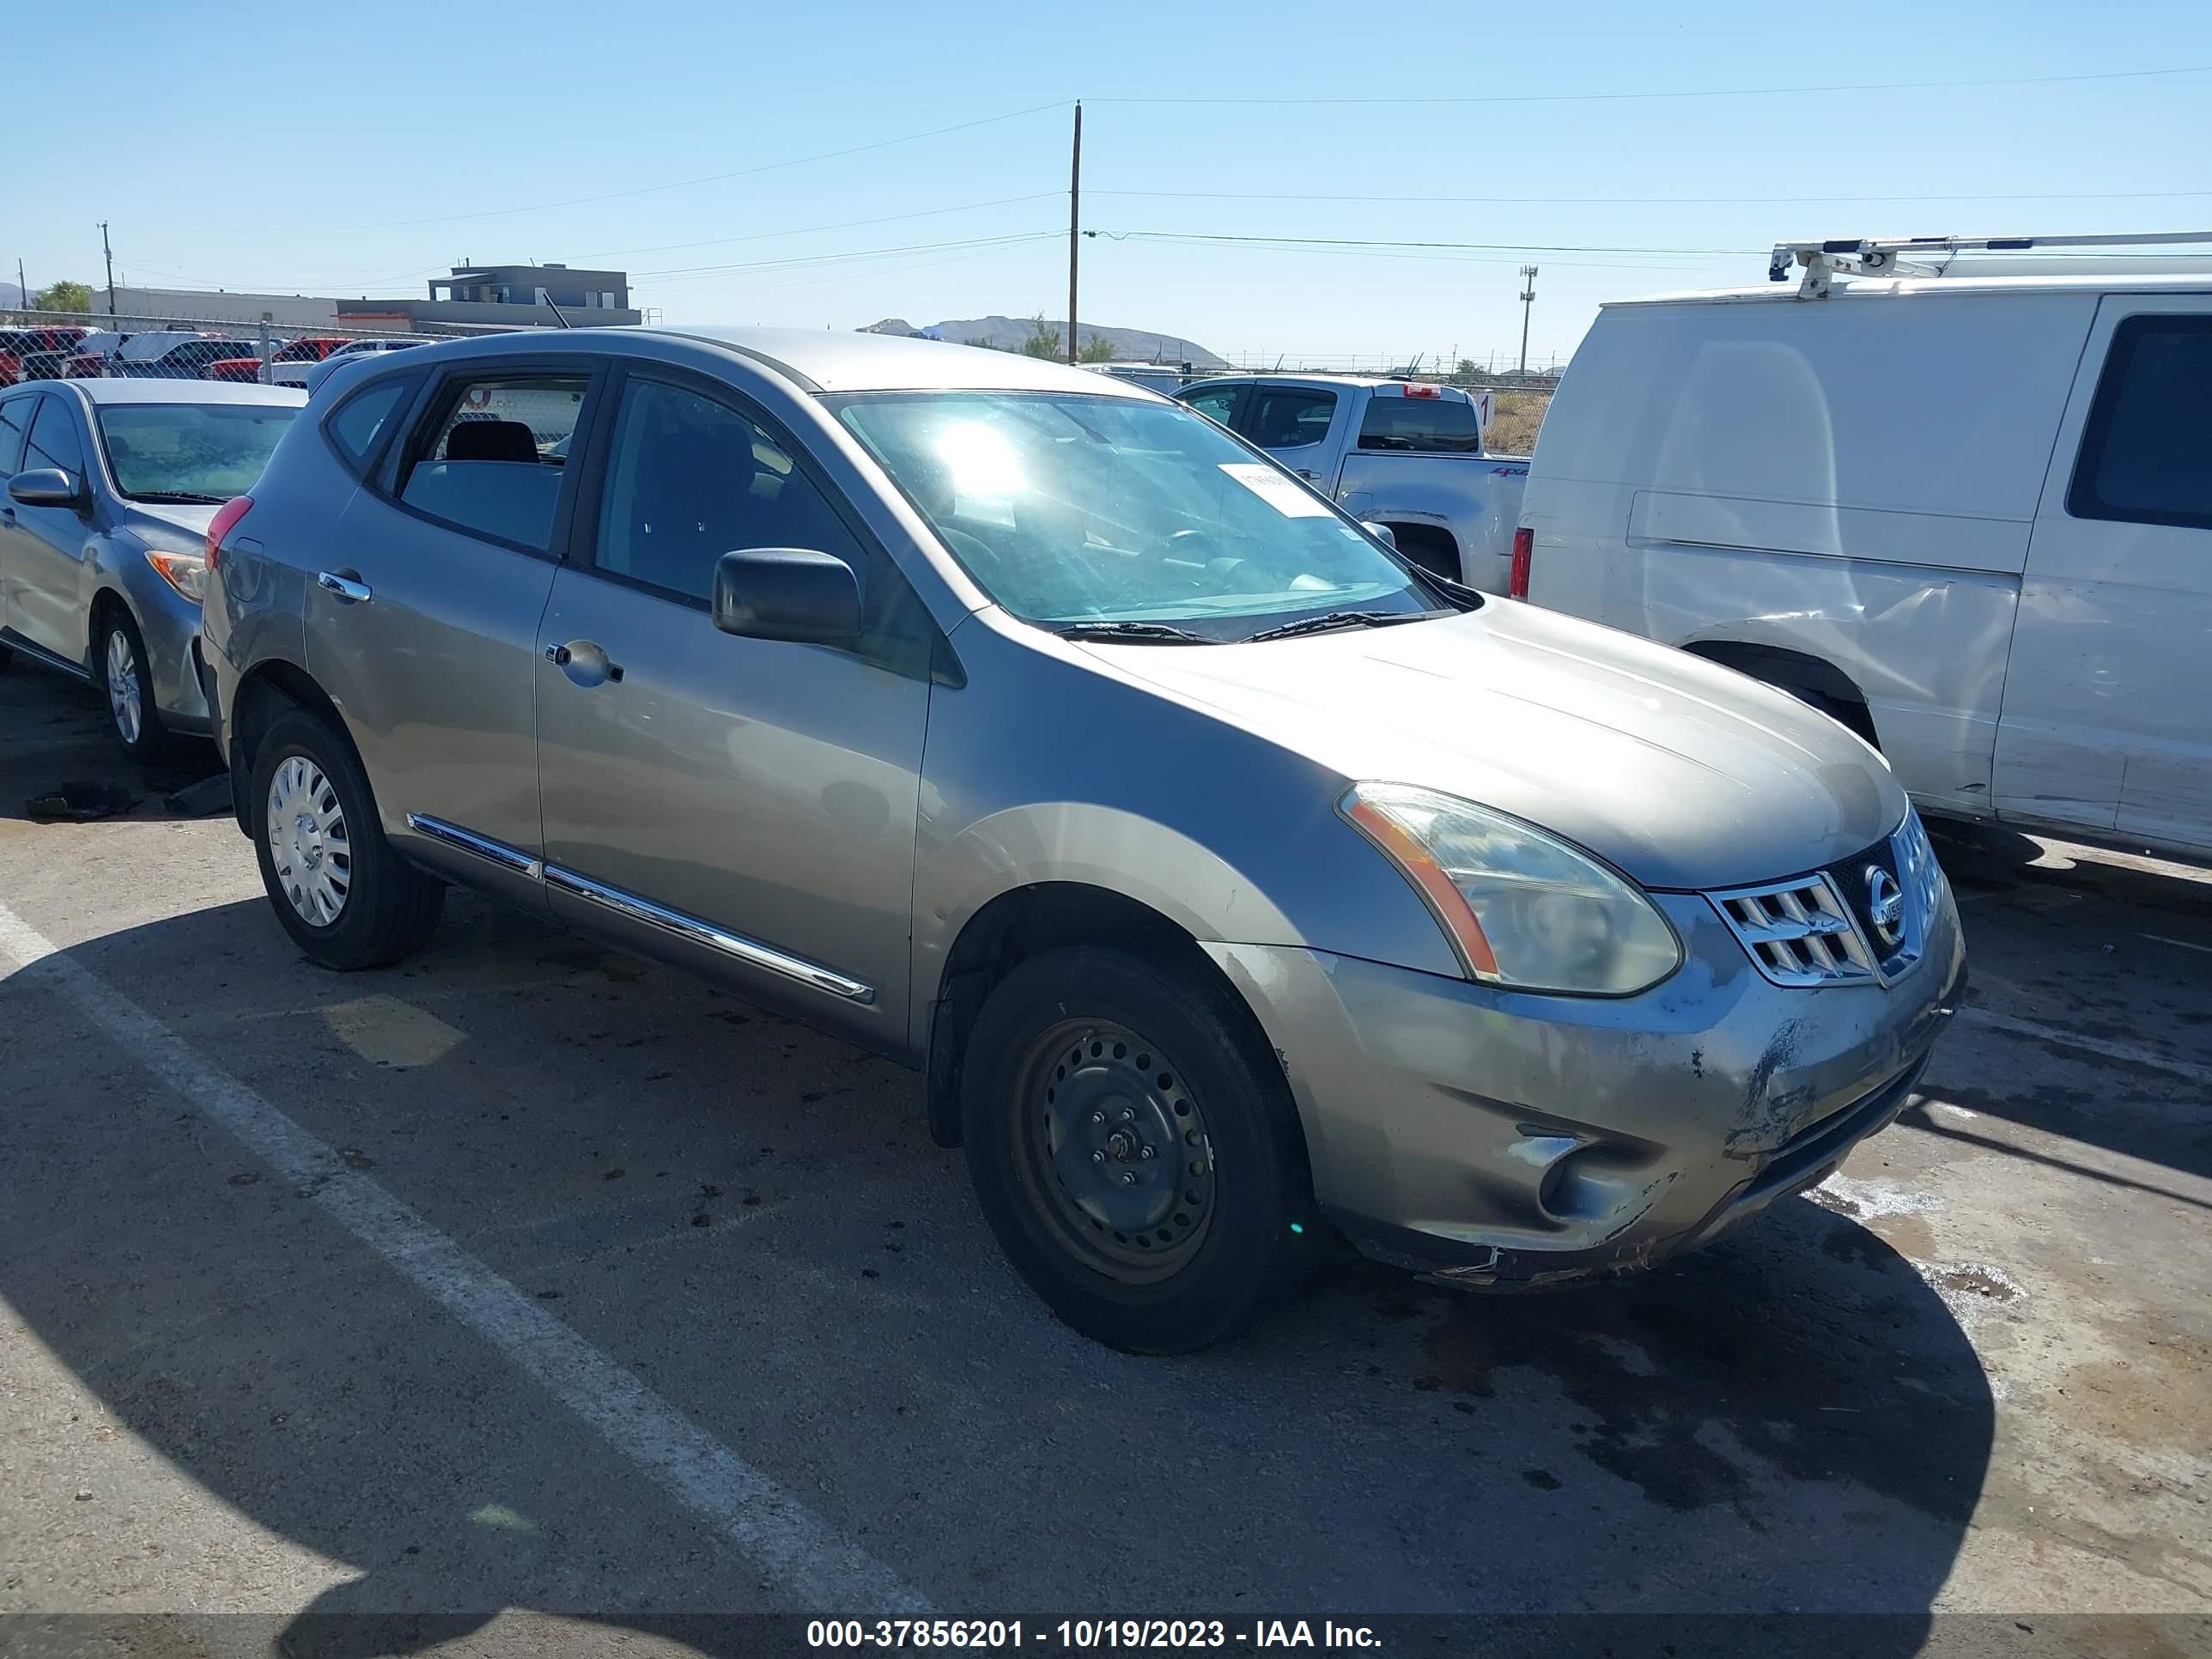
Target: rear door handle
(585,662)
(346,585)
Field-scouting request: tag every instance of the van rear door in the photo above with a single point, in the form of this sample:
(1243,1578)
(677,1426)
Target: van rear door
(2107,715)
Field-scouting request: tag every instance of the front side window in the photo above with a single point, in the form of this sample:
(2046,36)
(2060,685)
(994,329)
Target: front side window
(190,452)
(1288,417)
(2146,456)
(690,479)
(1072,509)
(54,441)
(15,424)
(491,461)
(1434,424)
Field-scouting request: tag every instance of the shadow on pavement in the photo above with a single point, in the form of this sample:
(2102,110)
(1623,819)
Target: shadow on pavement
(1793,1419)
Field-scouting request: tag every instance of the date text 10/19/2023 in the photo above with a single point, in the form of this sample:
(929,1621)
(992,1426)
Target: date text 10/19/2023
(1083,1634)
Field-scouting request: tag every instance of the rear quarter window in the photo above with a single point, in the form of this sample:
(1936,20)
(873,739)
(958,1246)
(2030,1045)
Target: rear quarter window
(356,426)
(2145,459)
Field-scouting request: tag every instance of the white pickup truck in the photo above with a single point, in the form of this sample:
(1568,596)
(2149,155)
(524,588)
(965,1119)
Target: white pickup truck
(1397,453)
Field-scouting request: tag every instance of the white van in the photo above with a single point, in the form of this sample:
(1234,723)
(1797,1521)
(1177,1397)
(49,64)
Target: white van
(1969,513)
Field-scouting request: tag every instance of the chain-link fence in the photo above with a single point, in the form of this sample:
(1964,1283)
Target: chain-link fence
(36,345)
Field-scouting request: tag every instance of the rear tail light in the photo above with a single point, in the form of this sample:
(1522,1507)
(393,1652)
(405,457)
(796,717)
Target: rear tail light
(226,521)
(1524,553)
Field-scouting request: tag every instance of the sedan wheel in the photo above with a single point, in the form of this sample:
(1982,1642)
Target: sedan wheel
(119,655)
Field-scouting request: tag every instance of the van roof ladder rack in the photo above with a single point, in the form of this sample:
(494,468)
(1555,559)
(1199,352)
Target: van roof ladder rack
(1889,257)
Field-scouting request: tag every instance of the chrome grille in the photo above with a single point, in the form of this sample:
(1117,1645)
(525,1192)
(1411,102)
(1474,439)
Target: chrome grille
(1799,933)
(1823,928)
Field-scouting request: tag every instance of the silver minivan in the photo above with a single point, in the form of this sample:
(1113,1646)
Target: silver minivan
(1233,884)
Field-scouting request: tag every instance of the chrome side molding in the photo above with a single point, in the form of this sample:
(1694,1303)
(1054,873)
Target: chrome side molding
(751,951)
(511,859)
(705,933)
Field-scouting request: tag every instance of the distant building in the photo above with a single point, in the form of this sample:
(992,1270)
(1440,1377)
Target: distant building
(200,305)
(476,297)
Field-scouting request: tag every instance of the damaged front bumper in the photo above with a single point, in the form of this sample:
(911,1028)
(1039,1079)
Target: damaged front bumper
(1506,1140)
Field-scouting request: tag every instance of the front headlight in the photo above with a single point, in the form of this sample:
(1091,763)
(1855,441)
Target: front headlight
(1522,907)
(185,572)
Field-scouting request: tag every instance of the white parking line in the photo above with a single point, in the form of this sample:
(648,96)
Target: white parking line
(795,1546)
(2133,1053)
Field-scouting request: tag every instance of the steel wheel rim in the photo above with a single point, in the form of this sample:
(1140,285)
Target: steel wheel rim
(1114,1152)
(123,684)
(308,847)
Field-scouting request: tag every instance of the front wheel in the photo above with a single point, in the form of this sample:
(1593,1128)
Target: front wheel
(119,655)
(1135,1150)
(345,897)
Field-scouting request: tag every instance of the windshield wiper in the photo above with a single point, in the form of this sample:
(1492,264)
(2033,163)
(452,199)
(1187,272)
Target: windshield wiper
(1150,633)
(1331,620)
(183,497)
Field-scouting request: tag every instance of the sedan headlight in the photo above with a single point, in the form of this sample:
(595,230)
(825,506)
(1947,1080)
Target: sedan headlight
(1522,907)
(185,572)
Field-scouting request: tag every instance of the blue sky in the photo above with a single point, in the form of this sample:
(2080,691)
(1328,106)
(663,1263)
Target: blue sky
(358,151)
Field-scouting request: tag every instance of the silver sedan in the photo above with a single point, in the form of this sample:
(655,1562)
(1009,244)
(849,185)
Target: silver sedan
(110,487)
(1233,884)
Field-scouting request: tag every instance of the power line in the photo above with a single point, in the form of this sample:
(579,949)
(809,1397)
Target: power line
(686,184)
(1653,201)
(1710,92)
(1380,242)
(795,261)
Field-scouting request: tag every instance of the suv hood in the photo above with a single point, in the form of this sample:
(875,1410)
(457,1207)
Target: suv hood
(1680,772)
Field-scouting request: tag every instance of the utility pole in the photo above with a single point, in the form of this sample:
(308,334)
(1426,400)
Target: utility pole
(23,288)
(109,257)
(1528,304)
(1074,222)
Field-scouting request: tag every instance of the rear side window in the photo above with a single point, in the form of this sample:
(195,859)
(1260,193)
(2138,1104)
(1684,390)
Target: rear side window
(490,461)
(14,421)
(1217,402)
(357,424)
(2146,456)
(54,440)
(1437,426)
(1288,417)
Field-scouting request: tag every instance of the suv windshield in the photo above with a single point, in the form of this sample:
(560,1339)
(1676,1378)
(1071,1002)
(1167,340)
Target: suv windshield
(190,452)
(1076,510)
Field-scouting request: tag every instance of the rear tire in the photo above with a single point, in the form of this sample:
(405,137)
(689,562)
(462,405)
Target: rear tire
(1157,1207)
(1429,548)
(338,889)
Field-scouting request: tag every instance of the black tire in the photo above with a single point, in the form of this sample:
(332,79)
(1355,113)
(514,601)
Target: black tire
(1851,716)
(388,909)
(1255,1243)
(1431,550)
(148,739)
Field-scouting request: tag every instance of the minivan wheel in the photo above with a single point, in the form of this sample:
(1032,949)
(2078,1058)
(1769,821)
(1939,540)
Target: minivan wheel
(346,898)
(1135,1150)
(119,664)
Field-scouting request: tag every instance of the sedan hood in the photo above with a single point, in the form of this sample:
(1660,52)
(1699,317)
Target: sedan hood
(177,525)
(1680,772)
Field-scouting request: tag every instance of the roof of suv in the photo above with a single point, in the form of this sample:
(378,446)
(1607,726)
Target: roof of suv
(827,360)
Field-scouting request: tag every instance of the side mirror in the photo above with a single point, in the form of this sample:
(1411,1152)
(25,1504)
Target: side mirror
(1382,532)
(786,594)
(48,486)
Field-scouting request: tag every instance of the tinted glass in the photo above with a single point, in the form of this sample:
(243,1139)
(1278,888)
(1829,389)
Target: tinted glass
(492,461)
(54,440)
(1288,417)
(690,479)
(14,423)
(1219,404)
(360,420)
(1069,508)
(187,452)
(1444,425)
(2147,452)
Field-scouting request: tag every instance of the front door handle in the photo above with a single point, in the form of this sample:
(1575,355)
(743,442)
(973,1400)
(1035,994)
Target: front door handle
(585,662)
(345,585)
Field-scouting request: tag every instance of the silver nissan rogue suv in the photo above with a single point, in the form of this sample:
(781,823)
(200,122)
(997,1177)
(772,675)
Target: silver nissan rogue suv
(1229,880)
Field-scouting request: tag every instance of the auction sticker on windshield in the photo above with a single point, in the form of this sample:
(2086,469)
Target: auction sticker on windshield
(1272,488)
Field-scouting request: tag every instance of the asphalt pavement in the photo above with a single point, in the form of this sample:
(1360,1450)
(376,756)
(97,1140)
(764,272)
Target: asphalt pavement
(529,1297)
